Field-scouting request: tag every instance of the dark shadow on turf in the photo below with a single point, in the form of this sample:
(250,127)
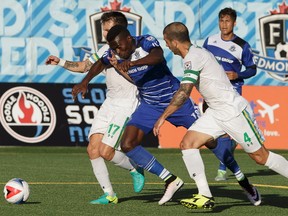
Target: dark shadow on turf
(154,195)
(31,203)
(264,172)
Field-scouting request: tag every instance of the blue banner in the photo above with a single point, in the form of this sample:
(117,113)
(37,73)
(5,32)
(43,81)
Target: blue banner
(31,30)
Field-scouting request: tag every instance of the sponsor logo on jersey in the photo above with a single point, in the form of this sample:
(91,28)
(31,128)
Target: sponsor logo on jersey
(273,35)
(27,115)
(134,23)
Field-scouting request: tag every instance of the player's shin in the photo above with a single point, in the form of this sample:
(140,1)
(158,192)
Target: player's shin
(146,160)
(102,175)
(277,163)
(195,167)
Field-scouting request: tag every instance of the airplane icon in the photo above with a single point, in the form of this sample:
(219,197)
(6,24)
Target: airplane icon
(267,110)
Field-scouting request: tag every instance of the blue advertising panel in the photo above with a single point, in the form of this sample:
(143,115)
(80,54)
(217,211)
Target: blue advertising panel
(31,30)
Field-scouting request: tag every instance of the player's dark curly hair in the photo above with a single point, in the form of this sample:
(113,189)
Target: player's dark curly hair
(115,31)
(117,17)
(177,31)
(228,11)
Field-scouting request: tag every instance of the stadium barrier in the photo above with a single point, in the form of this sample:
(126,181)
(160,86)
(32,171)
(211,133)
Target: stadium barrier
(270,106)
(47,115)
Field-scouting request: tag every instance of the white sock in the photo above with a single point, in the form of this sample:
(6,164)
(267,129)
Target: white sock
(239,175)
(101,173)
(277,163)
(196,170)
(164,174)
(121,160)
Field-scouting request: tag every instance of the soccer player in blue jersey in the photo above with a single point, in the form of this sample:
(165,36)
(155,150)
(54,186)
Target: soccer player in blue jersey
(231,52)
(227,112)
(140,59)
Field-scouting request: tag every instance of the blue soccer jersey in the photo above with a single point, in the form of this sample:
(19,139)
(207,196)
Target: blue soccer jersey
(156,85)
(232,55)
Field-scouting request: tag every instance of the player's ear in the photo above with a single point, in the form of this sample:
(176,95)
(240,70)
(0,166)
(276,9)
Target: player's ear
(129,38)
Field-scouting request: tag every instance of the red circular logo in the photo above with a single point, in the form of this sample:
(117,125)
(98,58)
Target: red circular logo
(27,115)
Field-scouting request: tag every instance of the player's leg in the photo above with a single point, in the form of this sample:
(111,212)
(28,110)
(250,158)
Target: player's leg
(120,159)
(270,159)
(190,145)
(228,159)
(97,131)
(225,143)
(225,154)
(111,141)
(251,139)
(130,144)
(100,171)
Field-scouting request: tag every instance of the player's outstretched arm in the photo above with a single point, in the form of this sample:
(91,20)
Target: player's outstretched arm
(96,68)
(79,67)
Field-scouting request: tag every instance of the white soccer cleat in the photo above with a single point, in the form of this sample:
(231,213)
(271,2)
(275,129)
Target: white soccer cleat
(170,190)
(254,196)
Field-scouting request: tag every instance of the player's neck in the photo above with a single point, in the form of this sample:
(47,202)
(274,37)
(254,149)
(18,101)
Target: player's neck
(227,37)
(185,49)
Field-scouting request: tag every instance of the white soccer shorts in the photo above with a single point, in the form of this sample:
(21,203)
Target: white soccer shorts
(110,120)
(243,128)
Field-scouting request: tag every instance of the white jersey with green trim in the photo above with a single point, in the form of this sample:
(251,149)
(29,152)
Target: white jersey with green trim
(202,69)
(118,88)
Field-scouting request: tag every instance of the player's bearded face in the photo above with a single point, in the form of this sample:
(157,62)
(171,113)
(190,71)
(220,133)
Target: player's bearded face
(170,45)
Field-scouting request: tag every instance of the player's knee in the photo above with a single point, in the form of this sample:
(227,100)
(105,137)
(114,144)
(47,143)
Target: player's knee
(89,149)
(187,145)
(128,145)
(92,151)
(107,153)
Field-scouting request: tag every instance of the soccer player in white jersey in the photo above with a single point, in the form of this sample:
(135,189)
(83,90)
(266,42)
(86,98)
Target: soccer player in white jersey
(121,101)
(226,108)
(231,52)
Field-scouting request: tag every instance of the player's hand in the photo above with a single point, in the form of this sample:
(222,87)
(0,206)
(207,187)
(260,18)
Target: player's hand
(52,60)
(232,75)
(125,65)
(113,60)
(79,88)
(158,125)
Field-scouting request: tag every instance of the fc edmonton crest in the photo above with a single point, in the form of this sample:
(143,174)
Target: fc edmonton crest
(273,35)
(134,23)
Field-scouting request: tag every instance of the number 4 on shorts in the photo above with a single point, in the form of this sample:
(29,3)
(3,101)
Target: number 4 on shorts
(247,139)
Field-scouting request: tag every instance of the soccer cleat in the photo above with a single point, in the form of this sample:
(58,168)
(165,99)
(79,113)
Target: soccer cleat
(221,175)
(170,190)
(105,199)
(198,201)
(138,179)
(253,195)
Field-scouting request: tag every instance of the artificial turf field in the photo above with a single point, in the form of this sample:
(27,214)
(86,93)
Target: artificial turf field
(62,183)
